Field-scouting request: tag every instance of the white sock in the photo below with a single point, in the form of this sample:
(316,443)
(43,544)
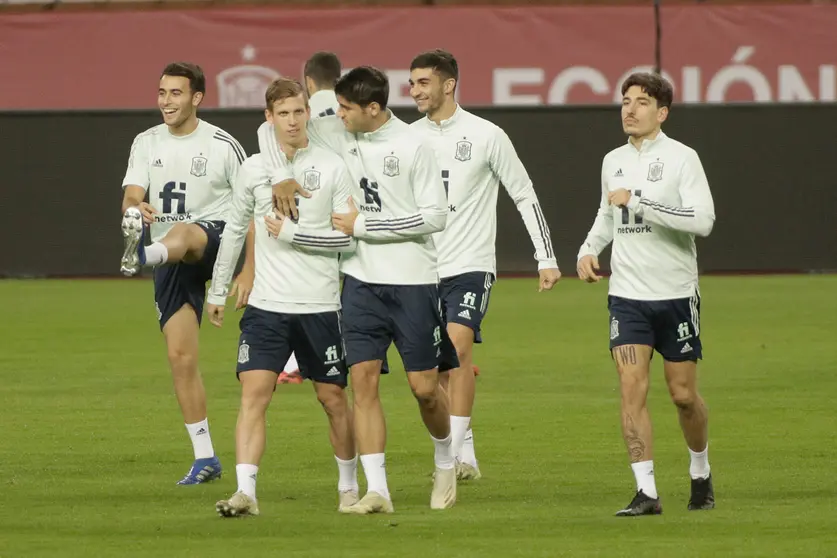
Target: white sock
(466,452)
(644,473)
(348,474)
(156,254)
(292,365)
(699,467)
(246,475)
(458,430)
(444,453)
(374,467)
(201,442)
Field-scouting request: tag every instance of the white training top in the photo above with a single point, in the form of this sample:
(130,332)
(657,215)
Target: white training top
(323,103)
(402,198)
(298,273)
(188,178)
(654,255)
(475,157)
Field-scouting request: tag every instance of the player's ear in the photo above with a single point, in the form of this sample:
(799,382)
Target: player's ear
(449,86)
(268,116)
(197,98)
(374,109)
(662,114)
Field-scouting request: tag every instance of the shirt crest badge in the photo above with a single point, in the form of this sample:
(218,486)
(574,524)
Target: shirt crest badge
(198,166)
(463,151)
(311,180)
(655,172)
(391,166)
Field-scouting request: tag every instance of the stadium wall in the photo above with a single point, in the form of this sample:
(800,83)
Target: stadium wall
(771,169)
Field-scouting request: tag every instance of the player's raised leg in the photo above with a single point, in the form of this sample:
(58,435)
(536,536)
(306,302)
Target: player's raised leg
(183,242)
(181,332)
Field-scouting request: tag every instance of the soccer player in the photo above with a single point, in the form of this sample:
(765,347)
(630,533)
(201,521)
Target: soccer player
(655,200)
(186,167)
(295,301)
(321,73)
(390,289)
(475,156)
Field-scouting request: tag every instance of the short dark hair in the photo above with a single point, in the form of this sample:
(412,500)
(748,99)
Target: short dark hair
(324,68)
(193,72)
(441,61)
(654,85)
(364,85)
(282,88)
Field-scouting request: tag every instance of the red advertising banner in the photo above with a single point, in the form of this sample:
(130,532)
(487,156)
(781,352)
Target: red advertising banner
(507,56)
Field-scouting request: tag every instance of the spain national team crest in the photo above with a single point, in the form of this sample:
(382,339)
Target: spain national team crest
(655,171)
(391,166)
(463,150)
(311,180)
(198,166)
(614,328)
(244,353)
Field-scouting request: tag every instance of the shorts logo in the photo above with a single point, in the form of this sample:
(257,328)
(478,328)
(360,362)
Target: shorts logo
(686,349)
(465,314)
(437,336)
(198,166)
(614,328)
(331,356)
(463,150)
(655,172)
(469,300)
(391,166)
(333,372)
(159,314)
(243,353)
(683,332)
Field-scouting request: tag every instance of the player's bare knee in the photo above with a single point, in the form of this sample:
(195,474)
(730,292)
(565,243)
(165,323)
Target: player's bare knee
(333,400)
(364,385)
(182,360)
(684,398)
(424,386)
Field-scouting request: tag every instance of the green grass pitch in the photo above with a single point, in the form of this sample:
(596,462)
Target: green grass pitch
(92,441)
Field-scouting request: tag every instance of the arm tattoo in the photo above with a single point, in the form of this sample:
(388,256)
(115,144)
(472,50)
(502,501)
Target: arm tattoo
(627,354)
(636,447)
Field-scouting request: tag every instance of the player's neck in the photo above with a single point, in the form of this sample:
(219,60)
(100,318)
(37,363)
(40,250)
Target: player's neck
(186,128)
(379,120)
(290,149)
(636,141)
(444,112)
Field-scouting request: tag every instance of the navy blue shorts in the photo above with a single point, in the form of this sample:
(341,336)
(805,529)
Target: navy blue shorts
(268,338)
(671,327)
(176,284)
(374,316)
(465,299)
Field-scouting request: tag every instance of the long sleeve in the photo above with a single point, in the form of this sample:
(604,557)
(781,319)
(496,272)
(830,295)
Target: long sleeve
(697,213)
(601,233)
(429,193)
(508,167)
(235,232)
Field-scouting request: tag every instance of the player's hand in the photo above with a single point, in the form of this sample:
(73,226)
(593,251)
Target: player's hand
(283,197)
(216,314)
(548,278)
(147,212)
(345,222)
(274,224)
(586,267)
(243,286)
(619,197)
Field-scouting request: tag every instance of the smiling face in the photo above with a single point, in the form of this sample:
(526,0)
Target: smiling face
(176,100)
(429,90)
